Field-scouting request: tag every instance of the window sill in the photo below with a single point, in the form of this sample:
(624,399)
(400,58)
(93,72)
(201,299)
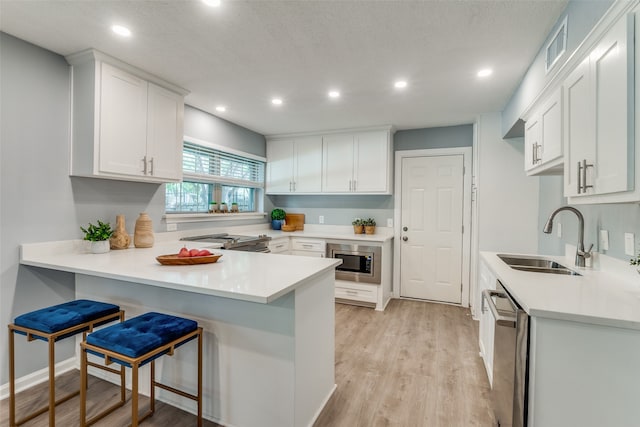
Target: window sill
(205,217)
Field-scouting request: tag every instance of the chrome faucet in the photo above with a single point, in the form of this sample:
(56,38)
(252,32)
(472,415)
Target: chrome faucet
(581,254)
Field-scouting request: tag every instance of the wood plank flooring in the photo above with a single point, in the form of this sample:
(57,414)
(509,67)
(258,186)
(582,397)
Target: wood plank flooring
(416,365)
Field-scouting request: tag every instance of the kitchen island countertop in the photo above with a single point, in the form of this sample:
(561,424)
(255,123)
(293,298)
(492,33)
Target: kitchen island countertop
(245,276)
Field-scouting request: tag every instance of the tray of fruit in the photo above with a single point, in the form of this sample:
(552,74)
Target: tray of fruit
(189,257)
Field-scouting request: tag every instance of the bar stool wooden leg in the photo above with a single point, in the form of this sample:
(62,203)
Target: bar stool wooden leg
(12,380)
(134,395)
(83,388)
(152,396)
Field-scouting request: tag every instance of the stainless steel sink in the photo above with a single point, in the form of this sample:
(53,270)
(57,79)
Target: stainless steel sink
(536,265)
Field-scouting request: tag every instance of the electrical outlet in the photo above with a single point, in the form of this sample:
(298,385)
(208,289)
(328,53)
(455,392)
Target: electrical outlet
(604,240)
(390,222)
(172,227)
(629,244)
(559,229)
(321,219)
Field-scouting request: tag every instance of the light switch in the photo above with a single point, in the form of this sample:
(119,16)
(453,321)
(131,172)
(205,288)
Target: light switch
(390,222)
(629,244)
(604,240)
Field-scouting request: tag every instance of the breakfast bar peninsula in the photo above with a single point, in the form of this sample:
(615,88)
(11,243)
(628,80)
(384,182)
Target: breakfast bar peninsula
(268,321)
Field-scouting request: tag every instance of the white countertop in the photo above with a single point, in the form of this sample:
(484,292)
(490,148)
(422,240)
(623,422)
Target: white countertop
(329,232)
(608,294)
(255,277)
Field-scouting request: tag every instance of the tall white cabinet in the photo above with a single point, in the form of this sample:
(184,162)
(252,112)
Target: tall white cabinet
(600,118)
(127,124)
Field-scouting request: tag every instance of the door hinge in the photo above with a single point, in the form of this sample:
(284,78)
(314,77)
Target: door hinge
(463,229)
(460,287)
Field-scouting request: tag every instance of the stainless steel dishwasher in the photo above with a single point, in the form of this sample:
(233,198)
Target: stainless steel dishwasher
(510,358)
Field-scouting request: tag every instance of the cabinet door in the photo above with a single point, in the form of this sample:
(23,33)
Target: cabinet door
(123,122)
(165,110)
(579,132)
(531,142)
(371,163)
(337,166)
(486,280)
(612,74)
(280,166)
(551,128)
(308,253)
(307,168)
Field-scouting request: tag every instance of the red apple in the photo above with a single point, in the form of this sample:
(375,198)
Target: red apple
(204,252)
(184,252)
(194,252)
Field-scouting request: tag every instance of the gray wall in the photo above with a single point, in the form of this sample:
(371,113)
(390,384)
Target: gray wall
(615,218)
(582,16)
(40,202)
(341,210)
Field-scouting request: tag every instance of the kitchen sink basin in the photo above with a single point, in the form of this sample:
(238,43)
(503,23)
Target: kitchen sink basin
(536,265)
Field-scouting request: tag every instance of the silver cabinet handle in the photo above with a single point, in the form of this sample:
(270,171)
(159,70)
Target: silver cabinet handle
(350,185)
(151,166)
(585,165)
(579,180)
(405,238)
(294,186)
(500,319)
(144,162)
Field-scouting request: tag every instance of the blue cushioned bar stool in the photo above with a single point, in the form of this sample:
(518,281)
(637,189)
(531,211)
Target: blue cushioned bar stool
(134,343)
(52,324)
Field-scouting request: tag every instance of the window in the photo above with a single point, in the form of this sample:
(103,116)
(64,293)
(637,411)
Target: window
(212,173)
(557,46)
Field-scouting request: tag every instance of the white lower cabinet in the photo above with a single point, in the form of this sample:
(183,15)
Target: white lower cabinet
(279,245)
(357,293)
(486,280)
(308,247)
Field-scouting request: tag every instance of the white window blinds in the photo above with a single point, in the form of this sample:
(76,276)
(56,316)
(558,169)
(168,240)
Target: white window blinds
(204,164)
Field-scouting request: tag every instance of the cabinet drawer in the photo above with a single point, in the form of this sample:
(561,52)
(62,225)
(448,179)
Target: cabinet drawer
(279,245)
(358,294)
(315,254)
(308,245)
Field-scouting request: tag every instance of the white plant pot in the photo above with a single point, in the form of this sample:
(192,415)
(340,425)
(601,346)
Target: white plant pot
(100,247)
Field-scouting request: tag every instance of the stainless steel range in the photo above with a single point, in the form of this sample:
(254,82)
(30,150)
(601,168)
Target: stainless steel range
(234,242)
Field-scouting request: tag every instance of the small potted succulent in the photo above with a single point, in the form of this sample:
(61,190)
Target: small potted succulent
(234,207)
(358,226)
(99,236)
(369,226)
(635,261)
(277,218)
(213,207)
(223,207)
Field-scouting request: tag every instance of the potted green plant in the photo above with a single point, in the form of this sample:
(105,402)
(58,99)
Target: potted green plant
(370,226)
(99,236)
(234,207)
(277,218)
(358,226)
(636,261)
(213,207)
(223,207)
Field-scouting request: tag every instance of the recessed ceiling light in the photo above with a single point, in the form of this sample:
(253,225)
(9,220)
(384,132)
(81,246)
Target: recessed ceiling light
(334,94)
(485,72)
(400,84)
(221,108)
(121,31)
(212,3)
(276,101)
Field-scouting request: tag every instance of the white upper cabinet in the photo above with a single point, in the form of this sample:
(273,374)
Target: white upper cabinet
(543,138)
(294,165)
(600,142)
(358,162)
(125,126)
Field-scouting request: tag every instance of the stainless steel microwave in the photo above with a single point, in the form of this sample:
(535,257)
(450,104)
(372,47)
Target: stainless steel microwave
(359,263)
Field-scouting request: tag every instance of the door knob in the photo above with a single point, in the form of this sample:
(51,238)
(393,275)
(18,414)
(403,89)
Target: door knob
(405,238)
(404,229)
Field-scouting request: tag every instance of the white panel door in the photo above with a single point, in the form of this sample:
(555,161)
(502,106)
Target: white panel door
(614,140)
(308,165)
(164,133)
(123,122)
(337,167)
(280,166)
(371,162)
(432,208)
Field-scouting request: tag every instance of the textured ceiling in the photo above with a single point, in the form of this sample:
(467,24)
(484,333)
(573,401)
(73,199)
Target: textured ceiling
(246,52)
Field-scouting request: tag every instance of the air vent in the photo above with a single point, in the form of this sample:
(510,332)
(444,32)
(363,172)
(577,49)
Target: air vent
(557,46)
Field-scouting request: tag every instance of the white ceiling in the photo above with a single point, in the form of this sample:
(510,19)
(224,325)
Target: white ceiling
(246,52)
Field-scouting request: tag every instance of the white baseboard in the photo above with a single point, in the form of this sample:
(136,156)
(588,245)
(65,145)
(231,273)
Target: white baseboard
(38,377)
(324,403)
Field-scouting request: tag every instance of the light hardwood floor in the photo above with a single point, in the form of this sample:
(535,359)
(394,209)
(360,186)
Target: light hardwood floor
(416,365)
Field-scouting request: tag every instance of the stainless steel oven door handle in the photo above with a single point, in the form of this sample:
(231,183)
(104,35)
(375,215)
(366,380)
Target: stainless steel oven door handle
(501,320)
